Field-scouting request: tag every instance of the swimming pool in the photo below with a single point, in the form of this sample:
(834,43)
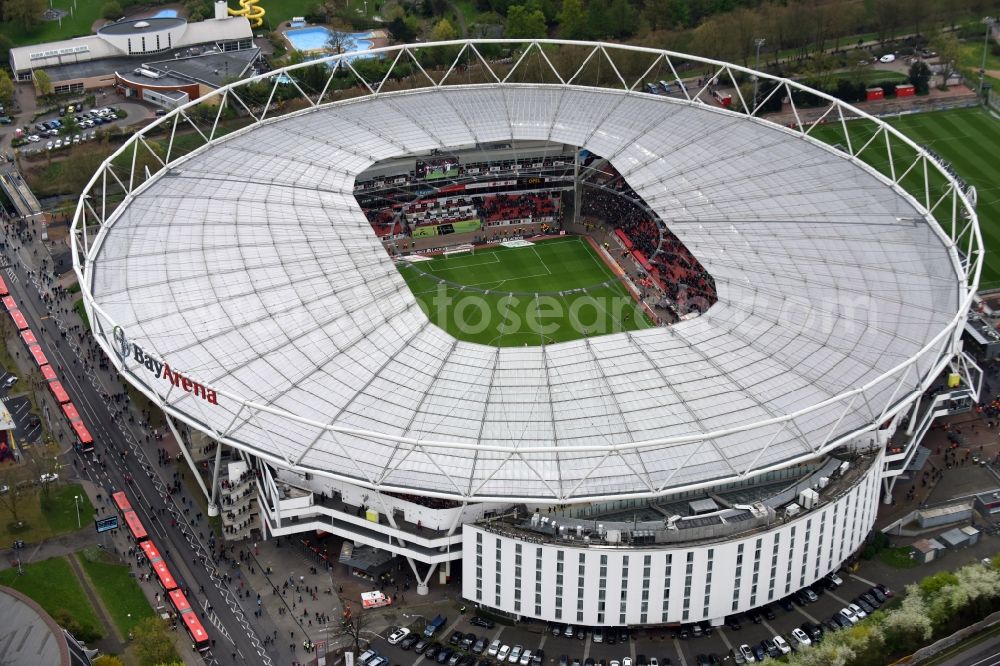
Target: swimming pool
(165,13)
(318,37)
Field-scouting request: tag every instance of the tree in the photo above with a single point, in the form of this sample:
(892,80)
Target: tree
(908,626)
(108,660)
(443,31)
(6,88)
(5,46)
(43,82)
(573,20)
(354,626)
(15,479)
(340,42)
(111,10)
(920,77)
(153,643)
(524,22)
(949,50)
(624,19)
(26,14)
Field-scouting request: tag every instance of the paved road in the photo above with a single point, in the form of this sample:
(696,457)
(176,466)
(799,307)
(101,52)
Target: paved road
(118,457)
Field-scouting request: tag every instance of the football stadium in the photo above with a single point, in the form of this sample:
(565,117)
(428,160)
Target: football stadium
(534,314)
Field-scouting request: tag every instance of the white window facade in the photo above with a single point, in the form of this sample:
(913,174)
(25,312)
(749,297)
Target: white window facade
(617,586)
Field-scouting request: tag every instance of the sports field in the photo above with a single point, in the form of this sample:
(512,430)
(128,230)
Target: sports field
(967,138)
(552,291)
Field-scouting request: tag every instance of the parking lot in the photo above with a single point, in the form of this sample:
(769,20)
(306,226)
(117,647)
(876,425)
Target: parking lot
(51,129)
(665,645)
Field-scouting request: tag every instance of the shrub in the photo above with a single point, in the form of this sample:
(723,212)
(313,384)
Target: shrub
(111,10)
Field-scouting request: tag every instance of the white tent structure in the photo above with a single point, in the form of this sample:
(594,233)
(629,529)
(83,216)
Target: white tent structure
(241,287)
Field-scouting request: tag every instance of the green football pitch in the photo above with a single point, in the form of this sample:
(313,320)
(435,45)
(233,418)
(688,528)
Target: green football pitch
(552,291)
(967,138)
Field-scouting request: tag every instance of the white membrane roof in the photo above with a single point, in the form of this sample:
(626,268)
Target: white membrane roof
(250,268)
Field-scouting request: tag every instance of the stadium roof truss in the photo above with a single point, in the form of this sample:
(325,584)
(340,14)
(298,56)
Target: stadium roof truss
(266,314)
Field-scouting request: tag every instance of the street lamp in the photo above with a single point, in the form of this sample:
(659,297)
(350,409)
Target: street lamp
(988,21)
(76,501)
(759,42)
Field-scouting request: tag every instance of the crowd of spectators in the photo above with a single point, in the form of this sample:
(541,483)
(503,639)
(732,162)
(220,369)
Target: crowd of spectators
(671,266)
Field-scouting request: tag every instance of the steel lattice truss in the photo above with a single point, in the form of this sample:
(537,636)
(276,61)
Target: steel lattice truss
(248,268)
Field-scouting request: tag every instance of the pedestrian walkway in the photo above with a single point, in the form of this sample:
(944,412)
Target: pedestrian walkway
(113,642)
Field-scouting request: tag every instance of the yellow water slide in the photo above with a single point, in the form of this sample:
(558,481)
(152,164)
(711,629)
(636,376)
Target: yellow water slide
(250,9)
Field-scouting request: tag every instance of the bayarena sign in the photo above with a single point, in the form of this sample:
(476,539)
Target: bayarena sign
(159,368)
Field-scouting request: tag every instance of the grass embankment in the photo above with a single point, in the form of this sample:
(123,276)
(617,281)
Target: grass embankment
(43,518)
(117,588)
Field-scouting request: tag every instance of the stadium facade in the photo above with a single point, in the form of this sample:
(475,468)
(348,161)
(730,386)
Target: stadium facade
(677,473)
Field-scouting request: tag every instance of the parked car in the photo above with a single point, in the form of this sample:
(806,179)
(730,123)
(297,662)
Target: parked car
(479,646)
(888,57)
(870,599)
(538,657)
(503,653)
(432,651)
(599,635)
(421,645)
(444,654)
(48,477)
(782,645)
(409,641)
(884,590)
(515,654)
(849,614)
(733,623)
(494,648)
(525,658)
(456,638)
(754,616)
(398,635)
(814,631)
(768,612)
(747,654)
(841,621)
(770,647)
(468,641)
(858,611)
(801,637)
(484,622)
(875,592)
(568,631)
(557,629)
(758,653)
(810,595)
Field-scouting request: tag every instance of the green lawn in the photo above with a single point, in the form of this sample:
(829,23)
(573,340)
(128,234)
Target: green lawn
(52,584)
(82,311)
(898,557)
(117,588)
(521,296)
(876,76)
(79,23)
(970,140)
(46,519)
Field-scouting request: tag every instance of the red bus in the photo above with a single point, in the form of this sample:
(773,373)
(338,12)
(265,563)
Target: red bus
(134,525)
(85,442)
(36,351)
(9,303)
(29,337)
(19,320)
(59,392)
(48,373)
(159,567)
(121,501)
(199,637)
(3,288)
